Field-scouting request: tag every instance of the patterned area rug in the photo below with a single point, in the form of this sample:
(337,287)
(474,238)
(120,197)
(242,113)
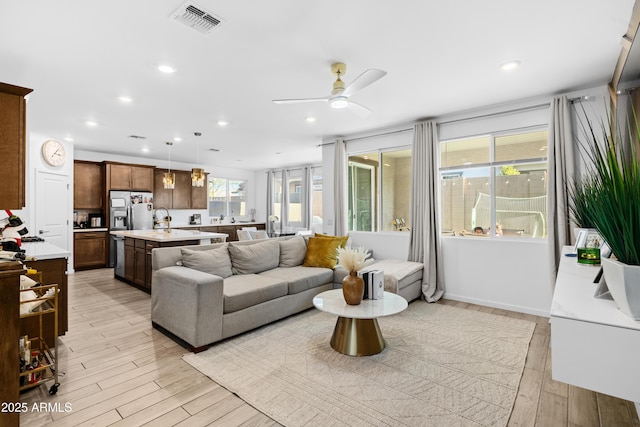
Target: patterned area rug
(443,366)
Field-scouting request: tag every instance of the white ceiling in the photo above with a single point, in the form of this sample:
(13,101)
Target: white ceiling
(440,56)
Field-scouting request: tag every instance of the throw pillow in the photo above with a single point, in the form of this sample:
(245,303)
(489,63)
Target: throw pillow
(214,261)
(255,257)
(343,239)
(322,252)
(292,252)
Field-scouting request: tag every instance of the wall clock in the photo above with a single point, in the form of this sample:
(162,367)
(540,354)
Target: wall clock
(53,152)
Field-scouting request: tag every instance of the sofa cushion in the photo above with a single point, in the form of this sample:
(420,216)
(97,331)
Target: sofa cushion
(301,278)
(343,239)
(255,257)
(292,252)
(213,261)
(322,252)
(246,290)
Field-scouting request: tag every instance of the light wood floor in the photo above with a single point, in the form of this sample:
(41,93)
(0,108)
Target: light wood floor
(115,369)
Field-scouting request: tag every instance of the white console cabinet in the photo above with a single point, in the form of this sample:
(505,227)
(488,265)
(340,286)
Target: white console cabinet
(593,344)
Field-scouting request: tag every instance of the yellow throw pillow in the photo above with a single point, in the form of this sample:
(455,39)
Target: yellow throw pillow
(343,239)
(322,252)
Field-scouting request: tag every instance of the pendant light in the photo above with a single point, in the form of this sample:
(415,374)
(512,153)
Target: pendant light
(197,174)
(169,178)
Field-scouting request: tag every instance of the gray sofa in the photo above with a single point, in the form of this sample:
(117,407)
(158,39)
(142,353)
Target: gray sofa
(203,294)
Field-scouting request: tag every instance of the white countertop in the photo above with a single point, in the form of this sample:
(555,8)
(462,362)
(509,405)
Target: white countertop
(174,235)
(85,230)
(44,250)
(244,224)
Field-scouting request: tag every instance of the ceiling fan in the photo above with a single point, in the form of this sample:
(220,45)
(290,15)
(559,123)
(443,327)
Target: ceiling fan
(340,94)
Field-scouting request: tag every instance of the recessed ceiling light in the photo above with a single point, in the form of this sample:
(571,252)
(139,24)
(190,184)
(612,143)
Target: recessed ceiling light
(167,69)
(145,150)
(177,139)
(310,119)
(511,65)
(91,123)
(222,123)
(68,139)
(125,99)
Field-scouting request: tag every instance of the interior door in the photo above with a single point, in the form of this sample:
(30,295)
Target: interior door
(361,191)
(52,205)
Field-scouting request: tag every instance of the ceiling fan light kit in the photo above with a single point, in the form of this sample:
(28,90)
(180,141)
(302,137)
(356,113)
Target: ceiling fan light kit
(339,98)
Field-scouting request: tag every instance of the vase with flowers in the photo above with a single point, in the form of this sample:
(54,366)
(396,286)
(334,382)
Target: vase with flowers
(353,260)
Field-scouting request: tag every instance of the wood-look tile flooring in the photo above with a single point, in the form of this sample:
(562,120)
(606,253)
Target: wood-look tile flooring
(116,370)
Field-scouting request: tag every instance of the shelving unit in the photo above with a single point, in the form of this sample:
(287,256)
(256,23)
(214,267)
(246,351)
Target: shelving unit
(37,302)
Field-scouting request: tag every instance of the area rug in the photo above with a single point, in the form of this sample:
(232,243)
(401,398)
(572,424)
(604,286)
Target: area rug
(442,366)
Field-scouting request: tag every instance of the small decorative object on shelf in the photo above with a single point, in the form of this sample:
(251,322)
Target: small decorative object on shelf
(353,260)
(252,212)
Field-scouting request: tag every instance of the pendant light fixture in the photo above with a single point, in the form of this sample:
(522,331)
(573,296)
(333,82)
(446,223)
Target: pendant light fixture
(169,178)
(197,173)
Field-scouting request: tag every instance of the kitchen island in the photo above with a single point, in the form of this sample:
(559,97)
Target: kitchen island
(51,262)
(134,249)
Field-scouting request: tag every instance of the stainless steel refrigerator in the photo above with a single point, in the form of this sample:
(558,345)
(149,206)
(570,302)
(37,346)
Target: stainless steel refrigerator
(128,210)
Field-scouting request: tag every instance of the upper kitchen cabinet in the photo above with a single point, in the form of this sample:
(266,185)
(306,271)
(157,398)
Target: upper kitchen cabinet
(183,196)
(13,145)
(121,176)
(88,185)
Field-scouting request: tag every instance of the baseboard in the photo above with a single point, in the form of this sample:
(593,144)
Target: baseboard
(494,304)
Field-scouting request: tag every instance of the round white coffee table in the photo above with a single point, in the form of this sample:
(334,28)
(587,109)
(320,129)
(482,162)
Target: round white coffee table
(357,332)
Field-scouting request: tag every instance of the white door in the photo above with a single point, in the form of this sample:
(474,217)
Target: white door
(52,204)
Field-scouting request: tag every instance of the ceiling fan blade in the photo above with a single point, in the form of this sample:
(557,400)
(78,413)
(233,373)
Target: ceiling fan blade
(359,109)
(363,80)
(298,101)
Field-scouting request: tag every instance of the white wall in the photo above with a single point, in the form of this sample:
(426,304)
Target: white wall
(499,272)
(34,164)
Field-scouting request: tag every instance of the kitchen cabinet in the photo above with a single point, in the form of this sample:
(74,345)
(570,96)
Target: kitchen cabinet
(10,272)
(122,176)
(53,271)
(183,196)
(90,249)
(232,229)
(137,260)
(88,185)
(13,145)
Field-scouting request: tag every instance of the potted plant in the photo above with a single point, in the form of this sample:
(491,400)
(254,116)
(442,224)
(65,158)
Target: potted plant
(610,199)
(353,260)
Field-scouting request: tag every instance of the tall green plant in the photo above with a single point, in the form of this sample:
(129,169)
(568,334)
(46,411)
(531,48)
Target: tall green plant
(579,193)
(612,191)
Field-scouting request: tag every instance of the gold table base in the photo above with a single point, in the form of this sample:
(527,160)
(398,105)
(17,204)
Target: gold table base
(357,337)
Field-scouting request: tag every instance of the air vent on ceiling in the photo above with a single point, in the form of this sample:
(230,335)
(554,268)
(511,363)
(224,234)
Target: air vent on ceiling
(215,150)
(137,137)
(197,18)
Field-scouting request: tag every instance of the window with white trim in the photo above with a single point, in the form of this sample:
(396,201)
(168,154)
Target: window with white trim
(495,184)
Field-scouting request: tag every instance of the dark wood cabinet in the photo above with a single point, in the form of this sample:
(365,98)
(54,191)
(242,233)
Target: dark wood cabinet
(13,145)
(231,229)
(10,320)
(183,196)
(138,260)
(88,185)
(53,271)
(90,249)
(122,176)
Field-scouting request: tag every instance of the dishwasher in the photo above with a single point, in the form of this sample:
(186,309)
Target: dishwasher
(119,255)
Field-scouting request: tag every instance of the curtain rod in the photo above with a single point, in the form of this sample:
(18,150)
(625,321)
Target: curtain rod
(498,113)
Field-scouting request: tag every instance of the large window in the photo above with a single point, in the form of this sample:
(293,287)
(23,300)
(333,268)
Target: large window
(379,190)
(227,197)
(297,198)
(495,182)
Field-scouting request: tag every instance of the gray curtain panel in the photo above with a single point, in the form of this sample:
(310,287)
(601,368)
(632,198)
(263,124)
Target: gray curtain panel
(424,244)
(306,197)
(339,188)
(284,202)
(561,173)
(270,190)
